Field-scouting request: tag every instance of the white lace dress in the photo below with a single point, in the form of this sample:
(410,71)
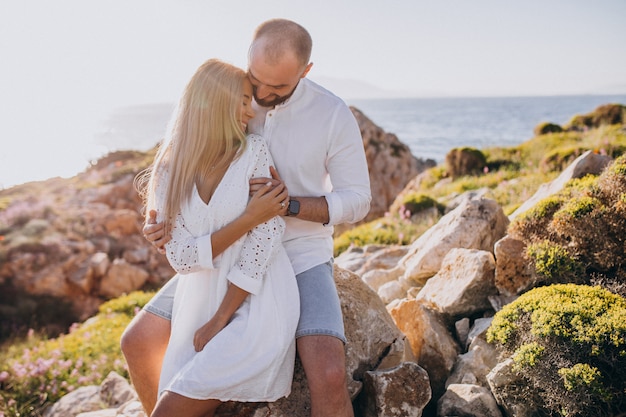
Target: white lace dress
(252,358)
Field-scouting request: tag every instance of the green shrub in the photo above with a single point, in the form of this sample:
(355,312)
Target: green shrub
(393,229)
(547,127)
(554,263)
(381,232)
(416,202)
(587,220)
(36,372)
(532,223)
(568,343)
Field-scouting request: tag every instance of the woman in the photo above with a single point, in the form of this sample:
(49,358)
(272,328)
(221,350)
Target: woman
(235,315)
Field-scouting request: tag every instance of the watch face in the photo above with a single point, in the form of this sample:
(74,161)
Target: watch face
(293,208)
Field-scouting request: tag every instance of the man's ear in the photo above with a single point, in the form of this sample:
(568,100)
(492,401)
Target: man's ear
(306,70)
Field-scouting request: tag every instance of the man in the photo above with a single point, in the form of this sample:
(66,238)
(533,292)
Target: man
(317,148)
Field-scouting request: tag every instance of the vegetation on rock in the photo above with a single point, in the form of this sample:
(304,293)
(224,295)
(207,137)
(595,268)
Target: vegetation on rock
(569,347)
(510,176)
(567,340)
(36,372)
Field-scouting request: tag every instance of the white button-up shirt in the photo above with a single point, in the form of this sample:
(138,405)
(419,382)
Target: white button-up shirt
(318,151)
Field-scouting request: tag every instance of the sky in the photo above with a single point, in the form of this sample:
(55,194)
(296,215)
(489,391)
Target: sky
(65,65)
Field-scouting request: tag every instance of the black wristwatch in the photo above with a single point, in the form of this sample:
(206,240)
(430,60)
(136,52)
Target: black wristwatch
(293,208)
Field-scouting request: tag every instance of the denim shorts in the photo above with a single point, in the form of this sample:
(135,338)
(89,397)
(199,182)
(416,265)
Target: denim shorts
(320,308)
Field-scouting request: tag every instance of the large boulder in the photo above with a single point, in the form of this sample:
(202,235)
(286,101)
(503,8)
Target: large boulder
(390,162)
(474,224)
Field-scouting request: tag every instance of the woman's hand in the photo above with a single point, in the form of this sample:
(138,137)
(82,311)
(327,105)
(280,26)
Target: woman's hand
(205,333)
(269,198)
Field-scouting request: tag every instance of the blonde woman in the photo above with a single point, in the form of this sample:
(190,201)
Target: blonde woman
(236,305)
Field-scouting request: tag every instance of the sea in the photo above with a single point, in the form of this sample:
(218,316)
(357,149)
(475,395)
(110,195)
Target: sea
(431,127)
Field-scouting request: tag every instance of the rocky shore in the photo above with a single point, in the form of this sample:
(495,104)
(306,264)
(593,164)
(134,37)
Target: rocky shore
(416,316)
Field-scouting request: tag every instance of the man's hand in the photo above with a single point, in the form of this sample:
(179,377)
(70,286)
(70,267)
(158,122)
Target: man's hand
(155,232)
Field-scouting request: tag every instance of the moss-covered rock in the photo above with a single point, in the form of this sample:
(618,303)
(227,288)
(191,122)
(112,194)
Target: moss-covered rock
(547,127)
(465,161)
(608,114)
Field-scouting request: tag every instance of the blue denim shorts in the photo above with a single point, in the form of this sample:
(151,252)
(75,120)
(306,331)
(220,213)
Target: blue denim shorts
(320,308)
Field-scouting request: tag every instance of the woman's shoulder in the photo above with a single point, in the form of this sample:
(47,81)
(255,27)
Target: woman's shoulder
(256,140)
(256,143)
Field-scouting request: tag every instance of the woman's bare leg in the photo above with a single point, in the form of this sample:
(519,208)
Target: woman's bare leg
(171,404)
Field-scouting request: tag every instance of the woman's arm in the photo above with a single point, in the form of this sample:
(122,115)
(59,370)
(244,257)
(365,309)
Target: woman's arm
(263,205)
(261,242)
(231,302)
(188,253)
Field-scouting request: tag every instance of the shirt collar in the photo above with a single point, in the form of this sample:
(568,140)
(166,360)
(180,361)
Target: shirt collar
(298,92)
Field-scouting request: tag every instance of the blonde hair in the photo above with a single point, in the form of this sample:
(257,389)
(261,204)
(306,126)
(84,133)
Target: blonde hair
(284,35)
(204,134)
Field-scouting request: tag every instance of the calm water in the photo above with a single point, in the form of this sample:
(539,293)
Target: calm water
(433,126)
(429,126)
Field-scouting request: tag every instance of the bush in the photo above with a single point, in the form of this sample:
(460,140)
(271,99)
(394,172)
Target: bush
(465,161)
(37,372)
(416,202)
(554,264)
(547,127)
(588,221)
(568,342)
(393,229)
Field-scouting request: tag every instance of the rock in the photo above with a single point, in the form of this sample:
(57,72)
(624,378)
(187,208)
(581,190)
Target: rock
(468,400)
(431,343)
(390,291)
(116,390)
(390,162)
(122,278)
(513,275)
(463,284)
(99,263)
(362,260)
(462,330)
(123,222)
(503,378)
(374,343)
(396,392)
(79,401)
(474,224)
(473,366)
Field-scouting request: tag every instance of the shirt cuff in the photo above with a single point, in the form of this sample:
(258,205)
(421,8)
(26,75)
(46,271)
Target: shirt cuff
(205,252)
(243,281)
(335,209)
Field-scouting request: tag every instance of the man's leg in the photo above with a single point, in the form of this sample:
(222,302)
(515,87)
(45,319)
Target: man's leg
(143,344)
(324,363)
(320,342)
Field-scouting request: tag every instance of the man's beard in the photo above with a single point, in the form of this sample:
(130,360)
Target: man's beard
(275,101)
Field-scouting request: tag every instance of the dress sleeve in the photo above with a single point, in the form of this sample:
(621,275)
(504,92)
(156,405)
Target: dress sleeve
(185,252)
(261,242)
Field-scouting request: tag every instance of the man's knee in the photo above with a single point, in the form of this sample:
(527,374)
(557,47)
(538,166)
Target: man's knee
(147,333)
(333,373)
